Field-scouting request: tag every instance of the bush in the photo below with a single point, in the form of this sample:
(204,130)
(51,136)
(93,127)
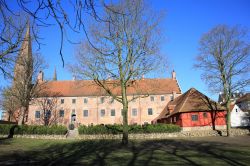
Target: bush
(5,128)
(98,129)
(40,130)
(161,128)
(117,129)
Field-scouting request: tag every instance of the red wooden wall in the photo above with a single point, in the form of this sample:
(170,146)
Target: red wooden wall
(185,119)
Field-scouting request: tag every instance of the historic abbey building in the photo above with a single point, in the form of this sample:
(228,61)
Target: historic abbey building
(83,102)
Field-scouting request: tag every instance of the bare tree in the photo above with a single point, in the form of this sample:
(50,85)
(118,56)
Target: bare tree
(224,58)
(48,104)
(11,36)
(68,15)
(25,86)
(126,48)
(8,104)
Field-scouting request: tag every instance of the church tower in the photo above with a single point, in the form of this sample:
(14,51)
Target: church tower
(23,72)
(24,63)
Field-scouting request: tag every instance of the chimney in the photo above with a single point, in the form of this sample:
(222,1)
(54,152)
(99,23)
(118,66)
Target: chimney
(142,77)
(55,75)
(173,75)
(40,77)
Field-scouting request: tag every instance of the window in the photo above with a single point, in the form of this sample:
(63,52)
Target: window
(174,119)
(152,98)
(162,98)
(85,113)
(73,101)
(85,100)
(171,97)
(47,114)
(113,112)
(112,100)
(134,112)
(204,115)
(150,111)
(37,114)
(48,101)
(102,112)
(102,100)
(61,113)
(62,101)
(194,117)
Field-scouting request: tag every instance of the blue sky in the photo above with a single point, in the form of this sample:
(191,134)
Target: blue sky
(183,26)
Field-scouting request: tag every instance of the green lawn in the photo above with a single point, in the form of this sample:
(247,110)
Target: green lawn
(192,151)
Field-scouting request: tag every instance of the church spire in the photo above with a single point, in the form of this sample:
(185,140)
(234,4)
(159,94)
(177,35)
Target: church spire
(26,45)
(55,75)
(24,59)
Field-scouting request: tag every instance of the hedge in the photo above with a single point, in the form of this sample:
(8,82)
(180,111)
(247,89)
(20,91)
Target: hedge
(117,129)
(28,129)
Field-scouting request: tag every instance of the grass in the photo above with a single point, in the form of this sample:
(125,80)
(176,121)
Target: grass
(192,151)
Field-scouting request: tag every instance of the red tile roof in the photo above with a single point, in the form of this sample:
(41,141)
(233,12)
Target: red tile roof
(90,88)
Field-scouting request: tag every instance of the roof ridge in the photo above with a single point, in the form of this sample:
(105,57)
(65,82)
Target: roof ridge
(178,84)
(188,94)
(116,80)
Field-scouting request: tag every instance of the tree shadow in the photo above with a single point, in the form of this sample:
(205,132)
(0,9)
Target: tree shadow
(110,152)
(12,130)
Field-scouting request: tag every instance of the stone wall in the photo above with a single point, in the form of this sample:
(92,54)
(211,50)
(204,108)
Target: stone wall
(203,128)
(37,136)
(205,133)
(236,132)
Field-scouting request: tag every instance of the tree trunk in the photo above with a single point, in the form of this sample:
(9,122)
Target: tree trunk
(228,119)
(125,116)
(9,118)
(21,116)
(213,118)
(125,125)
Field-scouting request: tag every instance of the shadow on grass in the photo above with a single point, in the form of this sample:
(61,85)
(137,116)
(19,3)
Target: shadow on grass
(157,152)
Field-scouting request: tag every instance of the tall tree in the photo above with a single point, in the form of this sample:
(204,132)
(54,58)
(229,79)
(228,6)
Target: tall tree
(25,86)
(224,57)
(126,48)
(48,104)
(8,104)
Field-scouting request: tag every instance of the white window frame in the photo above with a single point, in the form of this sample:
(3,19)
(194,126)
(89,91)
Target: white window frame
(134,110)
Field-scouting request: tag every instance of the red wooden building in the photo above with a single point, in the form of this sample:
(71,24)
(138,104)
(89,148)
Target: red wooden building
(193,110)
